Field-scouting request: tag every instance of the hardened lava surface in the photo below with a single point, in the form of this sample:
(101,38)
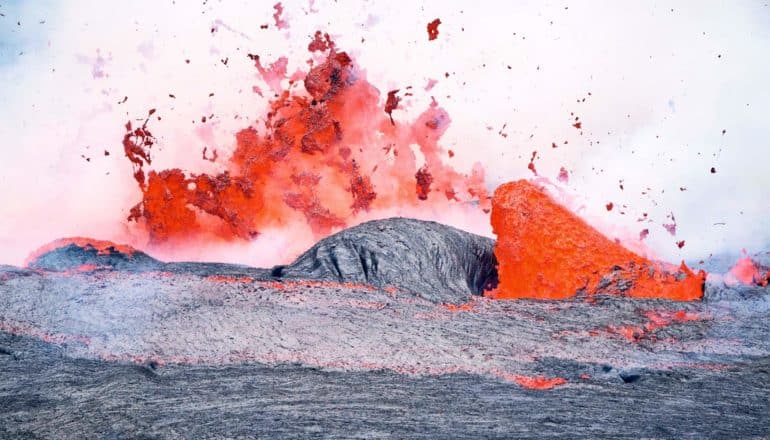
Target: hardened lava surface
(434,261)
(196,350)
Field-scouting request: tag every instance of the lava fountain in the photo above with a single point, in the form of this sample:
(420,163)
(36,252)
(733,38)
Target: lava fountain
(327,154)
(332,151)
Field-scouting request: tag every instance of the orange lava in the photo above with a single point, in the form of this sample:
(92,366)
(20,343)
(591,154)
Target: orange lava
(531,382)
(539,382)
(103,247)
(466,307)
(632,333)
(665,318)
(18,328)
(326,154)
(746,272)
(229,279)
(657,320)
(546,252)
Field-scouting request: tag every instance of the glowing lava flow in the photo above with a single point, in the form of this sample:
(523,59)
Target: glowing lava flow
(546,252)
(326,155)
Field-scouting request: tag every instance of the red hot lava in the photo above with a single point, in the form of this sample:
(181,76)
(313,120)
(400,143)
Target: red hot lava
(325,155)
(433,29)
(546,252)
(747,272)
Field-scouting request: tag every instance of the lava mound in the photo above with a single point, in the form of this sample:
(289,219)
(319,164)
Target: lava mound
(434,261)
(86,254)
(547,252)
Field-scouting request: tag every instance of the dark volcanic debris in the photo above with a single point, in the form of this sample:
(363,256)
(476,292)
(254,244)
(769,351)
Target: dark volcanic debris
(433,29)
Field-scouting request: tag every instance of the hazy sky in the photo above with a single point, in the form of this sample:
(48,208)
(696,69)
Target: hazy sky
(671,90)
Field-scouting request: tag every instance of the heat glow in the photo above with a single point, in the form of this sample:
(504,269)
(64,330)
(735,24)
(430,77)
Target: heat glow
(328,152)
(546,252)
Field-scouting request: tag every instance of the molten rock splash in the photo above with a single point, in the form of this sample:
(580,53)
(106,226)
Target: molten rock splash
(326,155)
(747,272)
(546,252)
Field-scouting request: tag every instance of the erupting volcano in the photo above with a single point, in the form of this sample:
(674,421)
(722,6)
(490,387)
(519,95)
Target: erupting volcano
(325,154)
(328,151)
(401,291)
(334,150)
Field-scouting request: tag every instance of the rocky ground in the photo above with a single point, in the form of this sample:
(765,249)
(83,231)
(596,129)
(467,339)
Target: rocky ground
(378,331)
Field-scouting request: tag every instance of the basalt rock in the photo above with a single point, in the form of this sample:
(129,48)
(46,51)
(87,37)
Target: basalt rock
(431,260)
(86,254)
(434,261)
(347,360)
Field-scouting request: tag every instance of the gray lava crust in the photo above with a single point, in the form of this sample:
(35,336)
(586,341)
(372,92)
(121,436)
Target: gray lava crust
(375,332)
(434,261)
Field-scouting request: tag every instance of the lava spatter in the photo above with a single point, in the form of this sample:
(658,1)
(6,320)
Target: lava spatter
(137,143)
(280,23)
(546,252)
(321,42)
(747,272)
(392,104)
(326,154)
(424,179)
(433,29)
(102,247)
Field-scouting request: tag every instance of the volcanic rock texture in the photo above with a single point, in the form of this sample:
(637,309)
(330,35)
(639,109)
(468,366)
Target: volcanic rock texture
(437,262)
(378,331)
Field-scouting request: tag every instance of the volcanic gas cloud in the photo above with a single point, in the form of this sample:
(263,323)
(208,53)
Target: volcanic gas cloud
(325,155)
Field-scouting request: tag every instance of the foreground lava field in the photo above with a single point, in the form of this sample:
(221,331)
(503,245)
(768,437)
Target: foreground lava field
(380,330)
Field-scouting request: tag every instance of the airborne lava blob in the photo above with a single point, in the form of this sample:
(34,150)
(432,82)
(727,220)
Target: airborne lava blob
(326,155)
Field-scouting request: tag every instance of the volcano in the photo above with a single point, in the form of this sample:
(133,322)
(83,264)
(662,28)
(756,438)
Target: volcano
(411,283)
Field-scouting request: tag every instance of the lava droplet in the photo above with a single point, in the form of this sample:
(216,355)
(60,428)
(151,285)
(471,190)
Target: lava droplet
(391,104)
(433,29)
(563,175)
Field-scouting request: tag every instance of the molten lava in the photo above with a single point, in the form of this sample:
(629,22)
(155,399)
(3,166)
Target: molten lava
(531,382)
(326,155)
(748,273)
(657,320)
(546,252)
(433,29)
